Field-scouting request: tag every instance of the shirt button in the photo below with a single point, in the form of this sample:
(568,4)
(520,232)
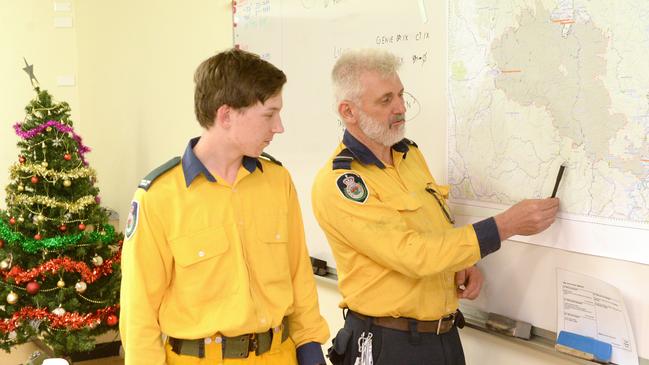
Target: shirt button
(262,321)
(278,236)
(208,340)
(201,253)
(276,329)
(218,339)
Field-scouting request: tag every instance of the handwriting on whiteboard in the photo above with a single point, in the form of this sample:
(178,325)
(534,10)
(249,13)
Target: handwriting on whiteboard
(420,58)
(252,14)
(394,38)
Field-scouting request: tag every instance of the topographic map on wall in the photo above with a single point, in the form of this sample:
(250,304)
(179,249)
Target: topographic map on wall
(539,83)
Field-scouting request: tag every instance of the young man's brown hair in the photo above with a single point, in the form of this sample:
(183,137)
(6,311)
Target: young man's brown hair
(235,78)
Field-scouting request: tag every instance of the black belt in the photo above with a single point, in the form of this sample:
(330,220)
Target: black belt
(237,347)
(440,326)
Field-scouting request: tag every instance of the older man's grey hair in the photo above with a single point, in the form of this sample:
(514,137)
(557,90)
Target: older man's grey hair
(352,64)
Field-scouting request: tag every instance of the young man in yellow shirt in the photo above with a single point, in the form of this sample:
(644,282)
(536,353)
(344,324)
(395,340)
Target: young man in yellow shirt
(214,256)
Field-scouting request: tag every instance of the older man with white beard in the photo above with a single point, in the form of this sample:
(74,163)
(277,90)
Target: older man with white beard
(402,265)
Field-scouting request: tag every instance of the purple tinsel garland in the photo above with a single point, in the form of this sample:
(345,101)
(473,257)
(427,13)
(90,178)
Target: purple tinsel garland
(81,148)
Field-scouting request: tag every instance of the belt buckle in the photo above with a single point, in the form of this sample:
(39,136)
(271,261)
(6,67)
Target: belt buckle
(439,322)
(252,343)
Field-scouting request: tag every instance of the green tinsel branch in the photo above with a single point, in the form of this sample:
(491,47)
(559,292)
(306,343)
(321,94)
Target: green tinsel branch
(31,245)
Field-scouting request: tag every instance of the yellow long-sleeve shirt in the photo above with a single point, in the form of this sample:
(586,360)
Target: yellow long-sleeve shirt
(203,257)
(395,250)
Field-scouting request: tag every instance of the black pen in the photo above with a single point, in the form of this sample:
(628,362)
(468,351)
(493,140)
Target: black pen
(556,183)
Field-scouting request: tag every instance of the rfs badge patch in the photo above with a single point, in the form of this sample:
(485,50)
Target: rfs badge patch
(131,221)
(352,186)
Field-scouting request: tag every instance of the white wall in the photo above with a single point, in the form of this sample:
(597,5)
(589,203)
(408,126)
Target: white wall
(136,69)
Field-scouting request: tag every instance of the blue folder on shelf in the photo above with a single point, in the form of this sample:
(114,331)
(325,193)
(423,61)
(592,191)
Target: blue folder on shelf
(584,347)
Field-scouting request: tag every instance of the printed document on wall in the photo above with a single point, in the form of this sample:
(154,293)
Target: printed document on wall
(590,307)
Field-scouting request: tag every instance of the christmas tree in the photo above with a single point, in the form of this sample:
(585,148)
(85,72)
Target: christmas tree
(59,257)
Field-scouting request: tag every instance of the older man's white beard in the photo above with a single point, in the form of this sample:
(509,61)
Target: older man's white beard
(380,132)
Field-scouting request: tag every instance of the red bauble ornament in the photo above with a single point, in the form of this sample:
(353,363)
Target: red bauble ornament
(12,220)
(112,320)
(38,237)
(34,179)
(2,243)
(82,226)
(21,159)
(63,228)
(67,157)
(33,287)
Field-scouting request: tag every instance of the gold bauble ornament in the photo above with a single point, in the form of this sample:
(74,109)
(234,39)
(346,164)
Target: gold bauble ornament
(21,187)
(67,183)
(5,264)
(44,164)
(97,260)
(80,287)
(21,219)
(60,283)
(12,298)
(49,129)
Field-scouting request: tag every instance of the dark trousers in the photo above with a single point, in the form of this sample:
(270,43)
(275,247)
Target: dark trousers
(394,347)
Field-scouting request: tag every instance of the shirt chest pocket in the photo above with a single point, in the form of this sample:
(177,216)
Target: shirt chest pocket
(199,247)
(409,208)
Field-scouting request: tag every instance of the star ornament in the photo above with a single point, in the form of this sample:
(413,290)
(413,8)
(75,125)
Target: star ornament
(30,71)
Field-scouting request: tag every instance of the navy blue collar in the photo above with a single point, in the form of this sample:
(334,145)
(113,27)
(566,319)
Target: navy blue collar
(364,155)
(193,167)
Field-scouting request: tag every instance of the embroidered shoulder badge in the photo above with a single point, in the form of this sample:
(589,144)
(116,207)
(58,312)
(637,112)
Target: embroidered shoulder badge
(131,221)
(353,187)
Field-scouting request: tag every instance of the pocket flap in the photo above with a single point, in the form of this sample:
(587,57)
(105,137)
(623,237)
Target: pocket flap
(199,246)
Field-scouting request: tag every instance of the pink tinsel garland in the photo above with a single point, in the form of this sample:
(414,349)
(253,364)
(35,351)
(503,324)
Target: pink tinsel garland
(81,148)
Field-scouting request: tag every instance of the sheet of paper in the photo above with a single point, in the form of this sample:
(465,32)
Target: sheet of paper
(593,308)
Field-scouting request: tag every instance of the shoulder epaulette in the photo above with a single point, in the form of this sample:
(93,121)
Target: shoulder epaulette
(270,158)
(151,176)
(410,142)
(343,161)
